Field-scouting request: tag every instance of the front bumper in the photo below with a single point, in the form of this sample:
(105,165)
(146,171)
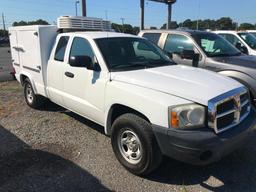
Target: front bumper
(203,146)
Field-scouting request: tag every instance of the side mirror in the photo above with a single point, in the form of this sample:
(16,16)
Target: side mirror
(81,61)
(242,48)
(169,54)
(187,54)
(196,59)
(191,55)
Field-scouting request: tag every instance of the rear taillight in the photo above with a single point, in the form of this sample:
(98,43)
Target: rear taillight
(13,71)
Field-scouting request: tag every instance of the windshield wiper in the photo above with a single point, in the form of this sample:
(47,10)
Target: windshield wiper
(129,66)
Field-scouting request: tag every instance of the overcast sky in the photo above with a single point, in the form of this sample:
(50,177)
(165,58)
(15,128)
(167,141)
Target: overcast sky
(114,10)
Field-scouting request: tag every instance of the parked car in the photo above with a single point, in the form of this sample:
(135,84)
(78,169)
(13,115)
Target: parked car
(253,32)
(244,41)
(147,104)
(208,51)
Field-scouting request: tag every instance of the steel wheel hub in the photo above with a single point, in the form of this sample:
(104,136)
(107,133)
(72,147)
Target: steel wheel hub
(29,93)
(130,146)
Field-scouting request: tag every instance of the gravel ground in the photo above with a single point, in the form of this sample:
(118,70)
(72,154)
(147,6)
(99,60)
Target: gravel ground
(53,149)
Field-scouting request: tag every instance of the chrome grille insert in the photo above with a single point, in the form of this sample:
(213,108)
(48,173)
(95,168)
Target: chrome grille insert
(229,109)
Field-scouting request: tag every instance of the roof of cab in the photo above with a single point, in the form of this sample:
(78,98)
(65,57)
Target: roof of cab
(181,31)
(99,35)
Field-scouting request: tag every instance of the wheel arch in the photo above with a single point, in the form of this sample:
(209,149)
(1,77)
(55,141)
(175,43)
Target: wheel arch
(243,78)
(24,76)
(115,111)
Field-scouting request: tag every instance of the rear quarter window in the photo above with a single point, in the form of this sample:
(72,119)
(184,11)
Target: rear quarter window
(61,48)
(153,37)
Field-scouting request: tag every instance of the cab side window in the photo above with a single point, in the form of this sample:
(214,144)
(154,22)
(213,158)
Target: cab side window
(61,48)
(153,37)
(231,38)
(177,43)
(81,47)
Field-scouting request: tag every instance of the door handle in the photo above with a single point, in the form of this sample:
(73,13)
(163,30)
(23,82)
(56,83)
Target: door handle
(70,75)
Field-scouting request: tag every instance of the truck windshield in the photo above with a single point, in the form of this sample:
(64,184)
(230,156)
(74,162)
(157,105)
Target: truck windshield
(127,53)
(215,46)
(249,39)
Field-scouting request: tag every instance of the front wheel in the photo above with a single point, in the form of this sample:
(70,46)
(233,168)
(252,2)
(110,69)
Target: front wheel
(134,144)
(32,100)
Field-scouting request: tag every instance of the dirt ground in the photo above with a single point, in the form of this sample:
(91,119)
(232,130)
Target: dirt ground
(53,150)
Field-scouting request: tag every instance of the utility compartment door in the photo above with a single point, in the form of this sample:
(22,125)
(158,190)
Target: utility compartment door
(30,57)
(15,51)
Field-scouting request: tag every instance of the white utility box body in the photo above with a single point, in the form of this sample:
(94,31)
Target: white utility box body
(31,48)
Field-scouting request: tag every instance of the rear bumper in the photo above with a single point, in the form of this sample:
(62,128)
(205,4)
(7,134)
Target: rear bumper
(204,146)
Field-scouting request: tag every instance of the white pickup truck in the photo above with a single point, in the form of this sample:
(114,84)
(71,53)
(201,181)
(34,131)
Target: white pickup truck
(147,104)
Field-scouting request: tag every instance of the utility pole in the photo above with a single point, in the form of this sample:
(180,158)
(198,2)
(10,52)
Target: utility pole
(169,4)
(169,20)
(83,4)
(142,12)
(123,23)
(77,2)
(106,15)
(199,10)
(3,22)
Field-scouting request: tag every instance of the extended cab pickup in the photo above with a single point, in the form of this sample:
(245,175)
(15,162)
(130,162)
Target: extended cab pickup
(208,51)
(147,104)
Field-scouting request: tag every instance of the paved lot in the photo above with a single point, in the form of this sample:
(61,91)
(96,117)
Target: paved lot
(5,64)
(53,149)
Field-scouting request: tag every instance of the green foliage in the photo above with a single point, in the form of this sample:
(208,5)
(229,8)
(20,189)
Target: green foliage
(174,25)
(37,22)
(224,23)
(3,33)
(247,26)
(126,28)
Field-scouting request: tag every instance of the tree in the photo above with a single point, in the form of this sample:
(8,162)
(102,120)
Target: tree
(174,25)
(117,27)
(3,33)
(126,28)
(136,30)
(247,26)
(187,23)
(225,23)
(37,22)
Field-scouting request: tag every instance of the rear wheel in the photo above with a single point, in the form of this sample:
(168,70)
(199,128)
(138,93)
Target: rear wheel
(33,100)
(134,144)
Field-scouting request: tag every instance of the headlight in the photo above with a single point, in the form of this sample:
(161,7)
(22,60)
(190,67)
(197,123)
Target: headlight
(187,116)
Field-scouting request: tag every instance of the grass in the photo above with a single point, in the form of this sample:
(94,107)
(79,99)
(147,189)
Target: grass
(10,87)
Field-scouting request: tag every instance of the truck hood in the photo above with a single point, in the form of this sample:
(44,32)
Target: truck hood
(190,83)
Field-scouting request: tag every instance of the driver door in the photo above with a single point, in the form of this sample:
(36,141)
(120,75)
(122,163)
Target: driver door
(83,88)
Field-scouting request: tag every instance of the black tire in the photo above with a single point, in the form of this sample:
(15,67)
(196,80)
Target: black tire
(151,155)
(32,100)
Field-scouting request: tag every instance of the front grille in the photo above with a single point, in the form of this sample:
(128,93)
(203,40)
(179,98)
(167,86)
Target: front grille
(229,109)
(225,121)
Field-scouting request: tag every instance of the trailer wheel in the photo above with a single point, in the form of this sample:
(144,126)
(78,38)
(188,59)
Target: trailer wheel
(32,100)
